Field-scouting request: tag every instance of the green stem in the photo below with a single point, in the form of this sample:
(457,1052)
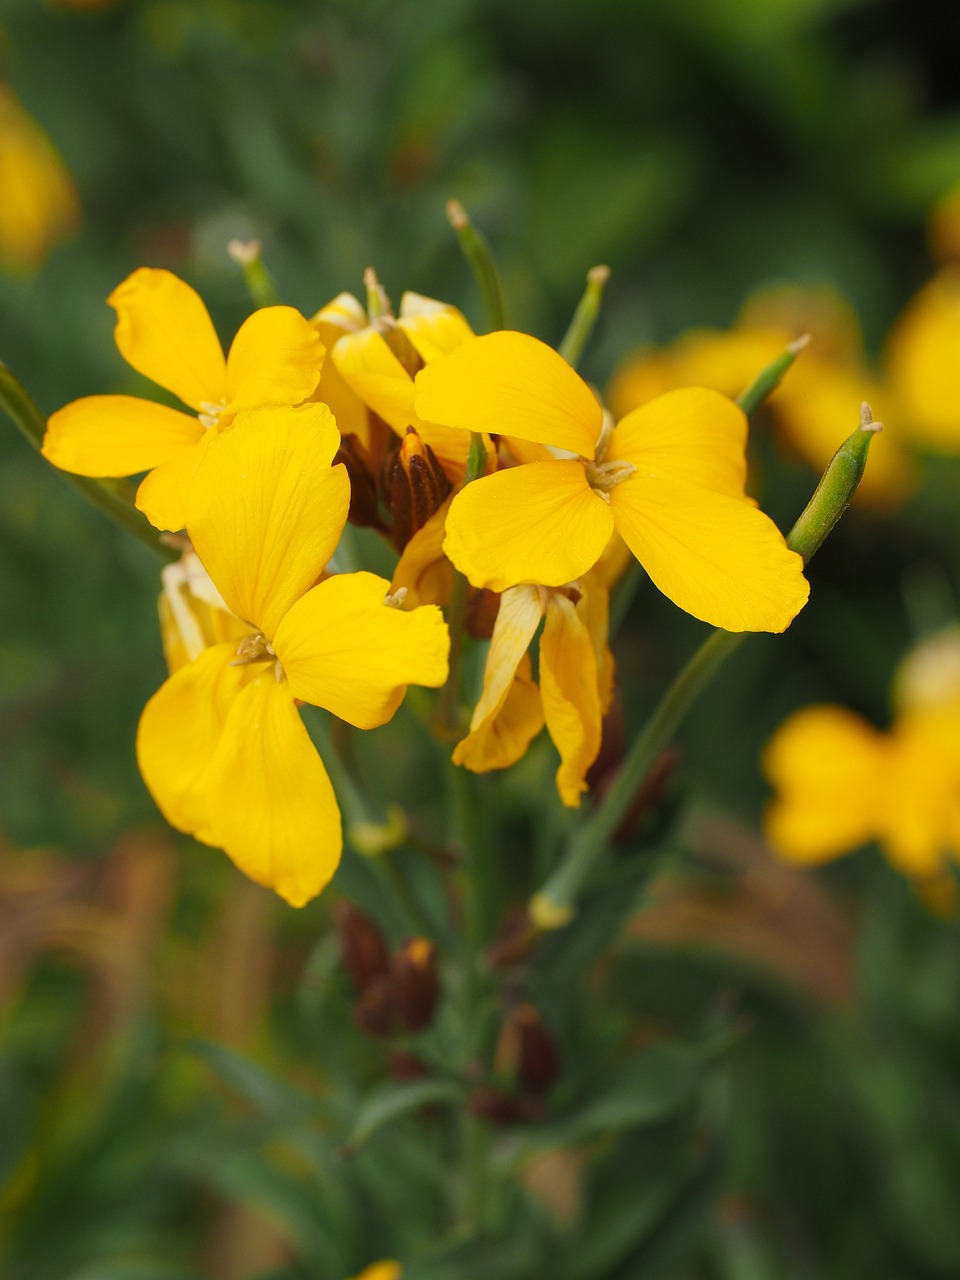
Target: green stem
(248,255)
(113,497)
(478,255)
(553,906)
(585,316)
(767,381)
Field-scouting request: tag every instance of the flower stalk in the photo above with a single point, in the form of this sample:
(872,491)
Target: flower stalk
(248,255)
(555,903)
(477,253)
(585,316)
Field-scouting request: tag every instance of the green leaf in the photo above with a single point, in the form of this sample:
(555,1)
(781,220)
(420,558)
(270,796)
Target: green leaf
(270,1096)
(392,1101)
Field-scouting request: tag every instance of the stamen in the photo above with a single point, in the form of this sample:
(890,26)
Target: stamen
(604,476)
(210,417)
(603,439)
(254,648)
(396,599)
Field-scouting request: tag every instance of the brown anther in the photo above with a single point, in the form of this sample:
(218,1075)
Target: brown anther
(364,503)
(483,606)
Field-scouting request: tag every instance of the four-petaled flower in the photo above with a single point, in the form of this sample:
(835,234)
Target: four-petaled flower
(165,332)
(221,744)
(670,478)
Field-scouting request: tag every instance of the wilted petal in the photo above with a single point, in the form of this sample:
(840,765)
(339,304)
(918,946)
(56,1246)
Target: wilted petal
(275,358)
(715,556)
(165,332)
(342,648)
(501,738)
(571,699)
(537,523)
(266,509)
(117,435)
(271,805)
(518,617)
(514,385)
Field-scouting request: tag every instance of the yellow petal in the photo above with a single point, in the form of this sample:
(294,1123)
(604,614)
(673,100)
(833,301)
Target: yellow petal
(344,314)
(434,328)
(342,648)
(694,435)
(275,358)
(502,739)
(827,767)
(266,510)
(193,616)
(715,556)
(116,435)
(571,700)
(922,359)
(514,385)
(593,609)
(518,617)
(162,496)
(423,570)
(271,805)
(374,373)
(919,806)
(165,332)
(536,523)
(179,732)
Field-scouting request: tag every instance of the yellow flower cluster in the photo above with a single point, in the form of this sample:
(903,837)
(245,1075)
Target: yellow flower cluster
(840,783)
(39,205)
(917,385)
(359,413)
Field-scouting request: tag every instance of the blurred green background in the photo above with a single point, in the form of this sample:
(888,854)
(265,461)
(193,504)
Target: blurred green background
(151,1000)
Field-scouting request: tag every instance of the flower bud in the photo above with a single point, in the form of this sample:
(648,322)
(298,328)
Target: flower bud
(418,487)
(363,948)
(496,1106)
(538,1061)
(374,1012)
(364,505)
(415,985)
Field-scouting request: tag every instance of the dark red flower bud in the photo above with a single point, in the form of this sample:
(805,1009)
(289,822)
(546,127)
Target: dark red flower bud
(415,985)
(363,948)
(538,1060)
(496,1106)
(418,487)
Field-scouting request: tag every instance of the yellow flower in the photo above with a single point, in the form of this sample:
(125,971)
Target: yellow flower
(193,614)
(221,746)
(922,359)
(817,404)
(39,204)
(840,783)
(386,1269)
(576,682)
(669,478)
(164,331)
(373,363)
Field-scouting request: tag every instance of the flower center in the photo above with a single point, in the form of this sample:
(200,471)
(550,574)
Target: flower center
(257,648)
(604,476)
(210,418)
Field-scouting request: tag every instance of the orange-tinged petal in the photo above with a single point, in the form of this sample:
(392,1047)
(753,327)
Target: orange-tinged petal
(514,385)
(828,768)
(162,496)
(692,434)
(500,740)
(117,435)
(715,556)
(271,805)
(178,734)
(165,332)
(266,509)
(571,700)
(434,328)
(275,358)
(536,523)
(342,648)
(518,617)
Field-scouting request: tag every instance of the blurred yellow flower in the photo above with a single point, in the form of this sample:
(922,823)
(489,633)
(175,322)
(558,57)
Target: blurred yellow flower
(922,357)
(669,478)
(840,783)
(383,1270)
(818,403)
(221,746)
(165,332)
(39,204)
